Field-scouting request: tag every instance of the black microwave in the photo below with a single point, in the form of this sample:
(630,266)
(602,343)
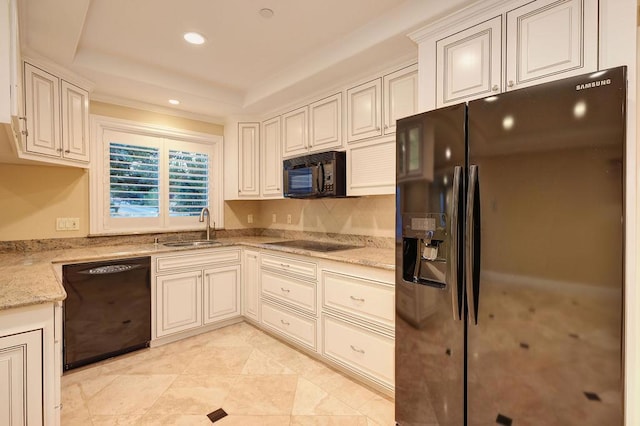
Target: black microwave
(315,175)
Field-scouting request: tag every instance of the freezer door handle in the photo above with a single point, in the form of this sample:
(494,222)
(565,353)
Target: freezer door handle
(472,244)
(453,258)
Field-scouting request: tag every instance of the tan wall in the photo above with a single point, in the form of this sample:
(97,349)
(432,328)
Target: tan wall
(32,197)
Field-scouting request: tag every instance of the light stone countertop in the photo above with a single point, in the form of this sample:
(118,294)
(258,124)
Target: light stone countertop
(32,278)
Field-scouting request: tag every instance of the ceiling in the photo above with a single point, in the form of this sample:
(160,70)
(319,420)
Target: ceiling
(132,51)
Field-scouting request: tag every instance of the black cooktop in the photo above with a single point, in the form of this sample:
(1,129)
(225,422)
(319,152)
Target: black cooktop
(313,245)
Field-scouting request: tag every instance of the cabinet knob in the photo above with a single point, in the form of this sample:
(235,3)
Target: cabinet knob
(22,118)
(59,149)
(378,129)
(25,133)
(67,151)
(495,88)
(510,83)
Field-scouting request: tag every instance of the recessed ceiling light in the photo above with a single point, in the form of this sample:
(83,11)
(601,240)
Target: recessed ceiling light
(174,102)
(266,13)
(194,38)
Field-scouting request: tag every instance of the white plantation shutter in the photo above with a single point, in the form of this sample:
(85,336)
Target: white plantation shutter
(188,183)
(134,181)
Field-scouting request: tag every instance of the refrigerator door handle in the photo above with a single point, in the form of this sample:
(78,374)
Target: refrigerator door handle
(470,244)
(453,258)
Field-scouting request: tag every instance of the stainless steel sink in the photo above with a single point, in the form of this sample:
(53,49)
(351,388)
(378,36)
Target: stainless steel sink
(195,243)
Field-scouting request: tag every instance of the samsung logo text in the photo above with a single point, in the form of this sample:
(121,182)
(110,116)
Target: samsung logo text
(593,84)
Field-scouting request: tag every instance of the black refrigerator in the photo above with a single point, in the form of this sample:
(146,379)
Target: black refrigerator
(509,258)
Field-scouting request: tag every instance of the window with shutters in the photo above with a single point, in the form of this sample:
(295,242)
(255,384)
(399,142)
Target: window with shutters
(151,179)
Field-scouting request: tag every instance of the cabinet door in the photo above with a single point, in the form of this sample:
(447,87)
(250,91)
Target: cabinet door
(75,122)
(248,159)
(271,158)
(551,39)
(21,372)
(364,105)
(42,101)
(221,292)
(250,285)
(294,132)
(400,96)
(371,168)
(468,64)
(325,123)
(178,302)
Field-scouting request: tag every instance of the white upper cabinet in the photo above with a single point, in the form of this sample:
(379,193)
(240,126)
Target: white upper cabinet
(325,123)
(57,119)
(550,37)
(11,103)
(468,63)
(248,159)
(294,131)
(492,47)
(271,159)
(42,101)
(75,122)
(400,96)
(364,103)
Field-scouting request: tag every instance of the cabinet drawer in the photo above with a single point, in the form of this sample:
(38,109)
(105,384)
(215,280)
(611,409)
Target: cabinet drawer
(359,349)
(295,327)
(362,298)
(191,259)
(301,294)
(289,266)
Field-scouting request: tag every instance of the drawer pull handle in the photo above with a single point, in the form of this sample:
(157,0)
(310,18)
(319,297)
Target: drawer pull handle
(357,299)
(285,290)
(284,265)
(286,323)
(355,349)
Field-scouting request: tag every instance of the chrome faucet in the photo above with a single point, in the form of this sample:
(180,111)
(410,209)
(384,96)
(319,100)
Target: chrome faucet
(203,212)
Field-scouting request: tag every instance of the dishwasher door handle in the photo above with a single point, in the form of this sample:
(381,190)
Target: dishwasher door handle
(109,269)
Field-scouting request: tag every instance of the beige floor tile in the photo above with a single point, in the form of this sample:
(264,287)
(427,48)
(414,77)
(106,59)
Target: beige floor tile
(312,400)
(129,394)
(232,420)
(260,363)
(380,410)
(255,378)
(328,421)
(219,361)
(262,395)
(197,395)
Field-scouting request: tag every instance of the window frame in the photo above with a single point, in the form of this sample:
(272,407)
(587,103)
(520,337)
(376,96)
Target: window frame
(100,221)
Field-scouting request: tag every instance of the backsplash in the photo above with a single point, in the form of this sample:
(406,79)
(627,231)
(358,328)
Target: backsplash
(372,216)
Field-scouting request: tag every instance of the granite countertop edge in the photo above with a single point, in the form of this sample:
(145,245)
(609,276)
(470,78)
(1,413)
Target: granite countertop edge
(35,278)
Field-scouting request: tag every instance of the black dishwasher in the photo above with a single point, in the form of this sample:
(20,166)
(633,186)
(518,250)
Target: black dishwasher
(107,311)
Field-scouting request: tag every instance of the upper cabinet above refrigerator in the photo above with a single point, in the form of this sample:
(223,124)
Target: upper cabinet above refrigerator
(506,46)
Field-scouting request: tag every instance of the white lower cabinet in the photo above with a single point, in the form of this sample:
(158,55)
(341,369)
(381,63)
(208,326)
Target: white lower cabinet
(360,349)
(251,284)
(178,302)
(21,378)
(358,321)
(29,377)
(289,324)
(194,289)
(289,298)
(221,293)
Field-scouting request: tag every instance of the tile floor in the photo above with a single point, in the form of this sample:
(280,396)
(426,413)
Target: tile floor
(255,378)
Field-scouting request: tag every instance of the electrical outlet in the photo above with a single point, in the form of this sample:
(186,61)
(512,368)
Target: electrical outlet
(249,218)
(73,223)
(289,219)
(273,218)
